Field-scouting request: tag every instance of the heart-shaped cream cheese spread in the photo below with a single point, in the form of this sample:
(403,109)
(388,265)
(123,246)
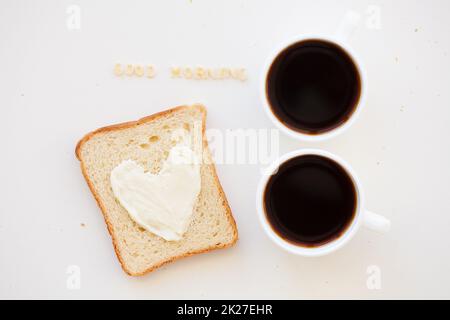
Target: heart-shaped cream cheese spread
(161,203)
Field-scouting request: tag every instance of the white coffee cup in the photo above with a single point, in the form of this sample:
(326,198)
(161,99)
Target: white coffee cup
(362,216)
(340,40)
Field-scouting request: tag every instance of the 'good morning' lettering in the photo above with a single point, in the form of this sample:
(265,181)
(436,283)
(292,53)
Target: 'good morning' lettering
(189,73)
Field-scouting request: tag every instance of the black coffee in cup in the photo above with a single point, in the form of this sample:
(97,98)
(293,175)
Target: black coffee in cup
(310,201)
(313,86)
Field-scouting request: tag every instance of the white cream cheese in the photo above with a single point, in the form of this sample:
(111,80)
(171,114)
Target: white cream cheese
(161,203)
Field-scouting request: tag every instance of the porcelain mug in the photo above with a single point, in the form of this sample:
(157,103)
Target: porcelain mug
(340,38)
(362,216)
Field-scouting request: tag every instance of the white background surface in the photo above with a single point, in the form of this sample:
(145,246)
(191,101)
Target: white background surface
(57,84)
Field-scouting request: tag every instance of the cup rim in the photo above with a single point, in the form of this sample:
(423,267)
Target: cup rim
(297,249)
(335,131)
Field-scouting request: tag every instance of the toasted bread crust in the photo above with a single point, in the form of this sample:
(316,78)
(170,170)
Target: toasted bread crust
(131,124)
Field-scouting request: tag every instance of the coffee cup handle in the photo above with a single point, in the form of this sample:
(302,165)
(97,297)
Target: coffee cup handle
(347,25)
(376,222)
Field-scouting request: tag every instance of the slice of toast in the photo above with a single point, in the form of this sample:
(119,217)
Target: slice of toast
(148,142)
